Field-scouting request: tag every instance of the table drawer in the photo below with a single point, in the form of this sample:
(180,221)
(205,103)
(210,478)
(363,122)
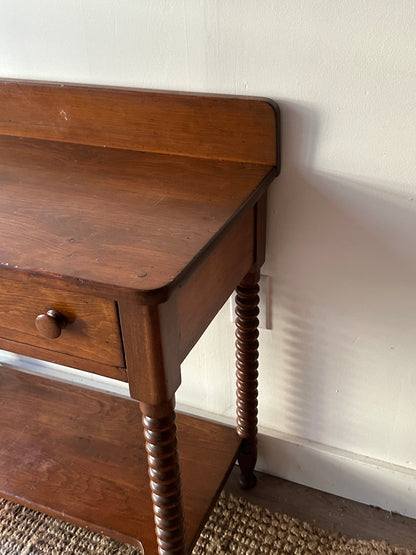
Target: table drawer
(91,325)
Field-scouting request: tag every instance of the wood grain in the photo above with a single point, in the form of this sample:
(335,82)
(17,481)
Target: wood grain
(79,454)
(58,214)
(64,359)
(204,126)
(201,297)
(157,338)
(150,335)
(92,331)
(143,206)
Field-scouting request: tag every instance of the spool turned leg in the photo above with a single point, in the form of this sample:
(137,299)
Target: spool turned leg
(164,473)
(247,310)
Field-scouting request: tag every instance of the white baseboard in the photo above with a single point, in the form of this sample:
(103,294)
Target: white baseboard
(364,479)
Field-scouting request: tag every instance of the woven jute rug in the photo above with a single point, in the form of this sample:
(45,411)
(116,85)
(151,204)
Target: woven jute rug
(235,527)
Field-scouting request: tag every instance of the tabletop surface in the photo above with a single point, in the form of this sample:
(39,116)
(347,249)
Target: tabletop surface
(130,219)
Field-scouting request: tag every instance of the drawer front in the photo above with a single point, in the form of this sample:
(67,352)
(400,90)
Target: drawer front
(91,329)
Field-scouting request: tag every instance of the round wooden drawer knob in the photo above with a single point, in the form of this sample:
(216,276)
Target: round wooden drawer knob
(50,324)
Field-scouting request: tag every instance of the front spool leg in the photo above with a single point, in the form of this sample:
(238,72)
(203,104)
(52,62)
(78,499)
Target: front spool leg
(164,473)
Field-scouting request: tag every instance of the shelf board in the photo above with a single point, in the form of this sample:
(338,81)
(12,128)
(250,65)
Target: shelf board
(78,454)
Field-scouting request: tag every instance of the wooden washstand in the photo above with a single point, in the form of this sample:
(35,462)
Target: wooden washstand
(127,217)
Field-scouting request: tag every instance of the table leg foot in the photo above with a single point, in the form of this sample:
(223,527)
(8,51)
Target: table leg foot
(247,310)
(161,446)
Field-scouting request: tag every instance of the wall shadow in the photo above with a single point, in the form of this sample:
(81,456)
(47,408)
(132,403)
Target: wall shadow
(340,250)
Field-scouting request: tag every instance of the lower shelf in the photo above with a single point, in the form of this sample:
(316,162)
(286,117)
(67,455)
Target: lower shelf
(78,454)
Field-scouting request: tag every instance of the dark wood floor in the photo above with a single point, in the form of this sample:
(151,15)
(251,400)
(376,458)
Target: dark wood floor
(327,511)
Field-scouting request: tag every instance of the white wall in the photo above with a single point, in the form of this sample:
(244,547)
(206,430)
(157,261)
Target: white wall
(338,369)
